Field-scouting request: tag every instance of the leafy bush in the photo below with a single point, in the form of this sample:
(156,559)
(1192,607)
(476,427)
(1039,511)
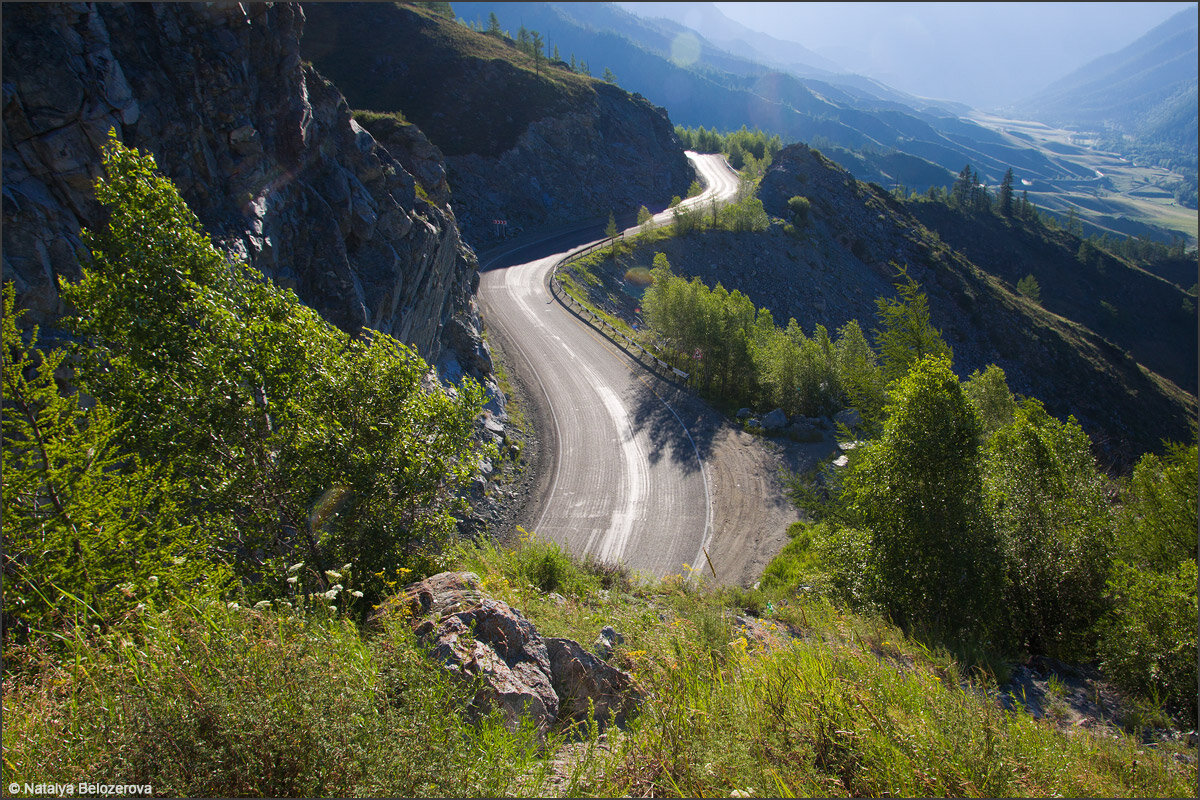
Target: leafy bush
(988,392)
(296,439)
(1148,640)
(918,493)
(90,532)
(799,207)
(1049,505)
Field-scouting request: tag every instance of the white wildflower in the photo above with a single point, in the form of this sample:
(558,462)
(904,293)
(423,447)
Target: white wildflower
(262,604)
(333,575)
(295,567)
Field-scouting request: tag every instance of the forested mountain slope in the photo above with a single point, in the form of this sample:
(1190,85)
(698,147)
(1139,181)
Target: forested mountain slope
(1146,92)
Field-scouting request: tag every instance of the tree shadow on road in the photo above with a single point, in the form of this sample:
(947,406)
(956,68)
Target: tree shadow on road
(649,414)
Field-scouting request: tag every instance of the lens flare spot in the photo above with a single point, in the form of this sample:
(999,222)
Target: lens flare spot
(685,50)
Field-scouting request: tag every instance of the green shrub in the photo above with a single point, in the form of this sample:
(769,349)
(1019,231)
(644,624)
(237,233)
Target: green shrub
(298,440)
(918,492)
(1148,640)
(1049,506)
(800,208)
(90,532)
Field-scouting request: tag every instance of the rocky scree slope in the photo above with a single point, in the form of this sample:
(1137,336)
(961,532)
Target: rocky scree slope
(536,145)
(261,146)
(1147,315)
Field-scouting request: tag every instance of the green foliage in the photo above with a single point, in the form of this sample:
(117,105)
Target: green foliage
(744,216)
(1029,287)
(1148,640)
(90,532)
(686,219)
(906,334)
(749,151)
(799,207)
(643,216)
(298,440)
(1048,504)
(1006,194)
(1158,519)
(917,491)
(858,371)
(235,702)
(988,392)
(738,353)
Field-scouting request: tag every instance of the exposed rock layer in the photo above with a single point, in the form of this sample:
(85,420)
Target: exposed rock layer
(260,145)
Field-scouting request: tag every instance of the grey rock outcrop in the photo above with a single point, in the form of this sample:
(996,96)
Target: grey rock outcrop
(262,148)
(520,672)
(775,420)
(614,154)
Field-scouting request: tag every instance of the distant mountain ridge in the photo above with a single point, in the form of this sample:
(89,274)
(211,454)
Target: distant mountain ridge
(721,90)
(1146,90)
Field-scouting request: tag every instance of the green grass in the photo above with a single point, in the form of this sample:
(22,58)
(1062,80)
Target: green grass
(811,700)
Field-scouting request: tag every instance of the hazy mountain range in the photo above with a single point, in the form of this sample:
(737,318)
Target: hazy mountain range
(1146,90)
(718,73)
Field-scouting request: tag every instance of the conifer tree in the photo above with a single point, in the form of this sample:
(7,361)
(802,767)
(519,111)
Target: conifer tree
(907,335)
(1006,193)
(960,193)
(537,50)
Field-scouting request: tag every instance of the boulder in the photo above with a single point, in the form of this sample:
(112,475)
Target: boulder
(775,420)
(521,673)
(606,641)
(580,677)
(744,413)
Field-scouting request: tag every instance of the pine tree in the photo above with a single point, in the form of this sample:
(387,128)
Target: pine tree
(493,28)
(609,77)
(1006,194)
(960,193)
(537,48)
(907,334)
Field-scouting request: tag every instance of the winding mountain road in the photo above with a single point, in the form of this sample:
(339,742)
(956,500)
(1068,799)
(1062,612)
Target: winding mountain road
(634,468)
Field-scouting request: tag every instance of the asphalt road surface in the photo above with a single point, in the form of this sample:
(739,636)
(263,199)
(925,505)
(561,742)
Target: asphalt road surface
(633,468)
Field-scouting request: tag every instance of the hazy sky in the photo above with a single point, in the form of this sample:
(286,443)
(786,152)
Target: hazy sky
(983,54)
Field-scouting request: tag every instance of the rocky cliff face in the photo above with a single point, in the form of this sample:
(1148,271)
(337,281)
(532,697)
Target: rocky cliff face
(260,145)
(530,143)
(612,155)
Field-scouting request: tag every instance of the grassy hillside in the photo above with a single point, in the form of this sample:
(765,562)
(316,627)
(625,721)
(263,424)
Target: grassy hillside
(752,692)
